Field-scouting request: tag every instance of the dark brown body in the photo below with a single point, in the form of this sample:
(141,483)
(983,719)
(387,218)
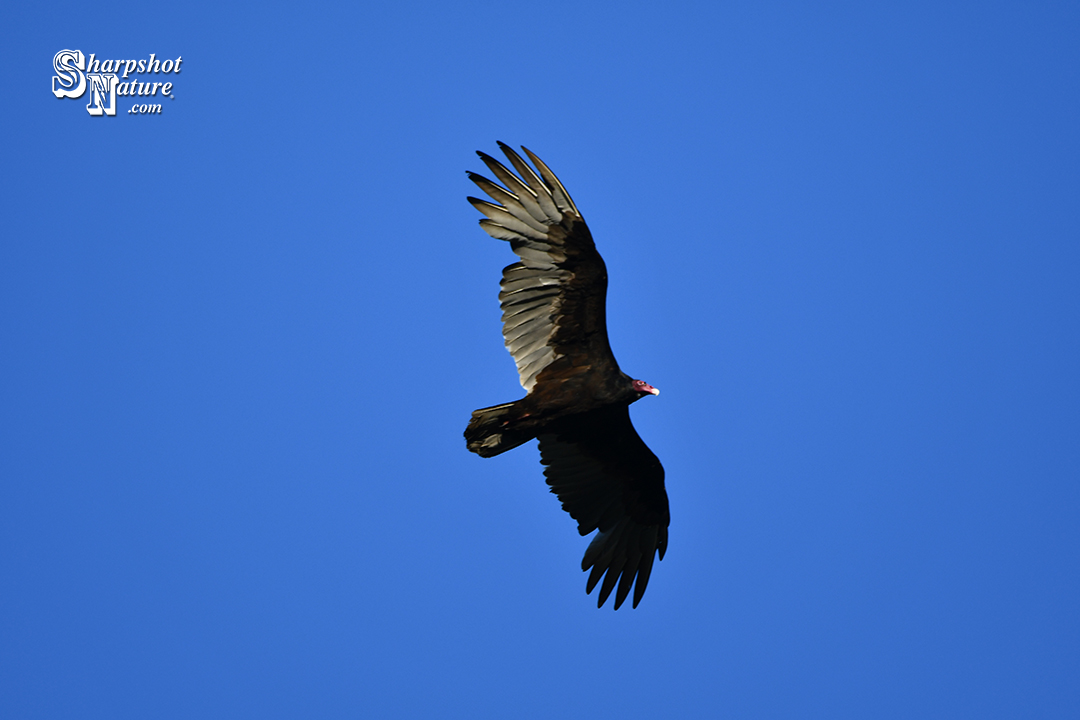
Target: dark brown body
(577,406)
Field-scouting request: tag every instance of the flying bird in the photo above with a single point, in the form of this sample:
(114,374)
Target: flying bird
(578,401)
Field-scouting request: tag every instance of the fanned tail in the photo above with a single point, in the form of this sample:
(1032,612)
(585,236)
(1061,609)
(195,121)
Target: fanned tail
(491,430)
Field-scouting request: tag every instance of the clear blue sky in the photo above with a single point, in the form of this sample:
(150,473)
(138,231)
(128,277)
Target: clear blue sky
(239,342)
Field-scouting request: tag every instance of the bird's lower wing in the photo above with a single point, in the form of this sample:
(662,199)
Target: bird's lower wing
(609,480)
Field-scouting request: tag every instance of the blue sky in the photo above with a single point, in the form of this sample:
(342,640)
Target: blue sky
(241,340)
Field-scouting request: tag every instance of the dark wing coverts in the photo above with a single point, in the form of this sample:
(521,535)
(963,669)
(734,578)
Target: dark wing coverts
(553,298)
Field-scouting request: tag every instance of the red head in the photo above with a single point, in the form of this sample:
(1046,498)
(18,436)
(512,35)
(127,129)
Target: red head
(644,388)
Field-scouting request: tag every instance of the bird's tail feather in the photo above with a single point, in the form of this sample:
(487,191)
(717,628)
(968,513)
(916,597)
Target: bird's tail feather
(491,430)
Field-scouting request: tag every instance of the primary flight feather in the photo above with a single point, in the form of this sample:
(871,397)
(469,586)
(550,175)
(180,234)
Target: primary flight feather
(578,401)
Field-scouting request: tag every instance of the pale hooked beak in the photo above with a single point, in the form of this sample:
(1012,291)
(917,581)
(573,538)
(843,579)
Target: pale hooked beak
(650,389)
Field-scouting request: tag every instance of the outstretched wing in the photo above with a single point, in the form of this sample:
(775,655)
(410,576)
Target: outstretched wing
(609,480)
(553,298)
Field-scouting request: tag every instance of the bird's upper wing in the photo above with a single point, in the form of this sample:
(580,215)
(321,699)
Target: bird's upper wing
(553,298)
(609,480)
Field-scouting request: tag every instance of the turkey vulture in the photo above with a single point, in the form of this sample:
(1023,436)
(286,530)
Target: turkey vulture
(578,401)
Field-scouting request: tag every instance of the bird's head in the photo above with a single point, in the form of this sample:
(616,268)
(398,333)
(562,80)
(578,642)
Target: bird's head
(643,388)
